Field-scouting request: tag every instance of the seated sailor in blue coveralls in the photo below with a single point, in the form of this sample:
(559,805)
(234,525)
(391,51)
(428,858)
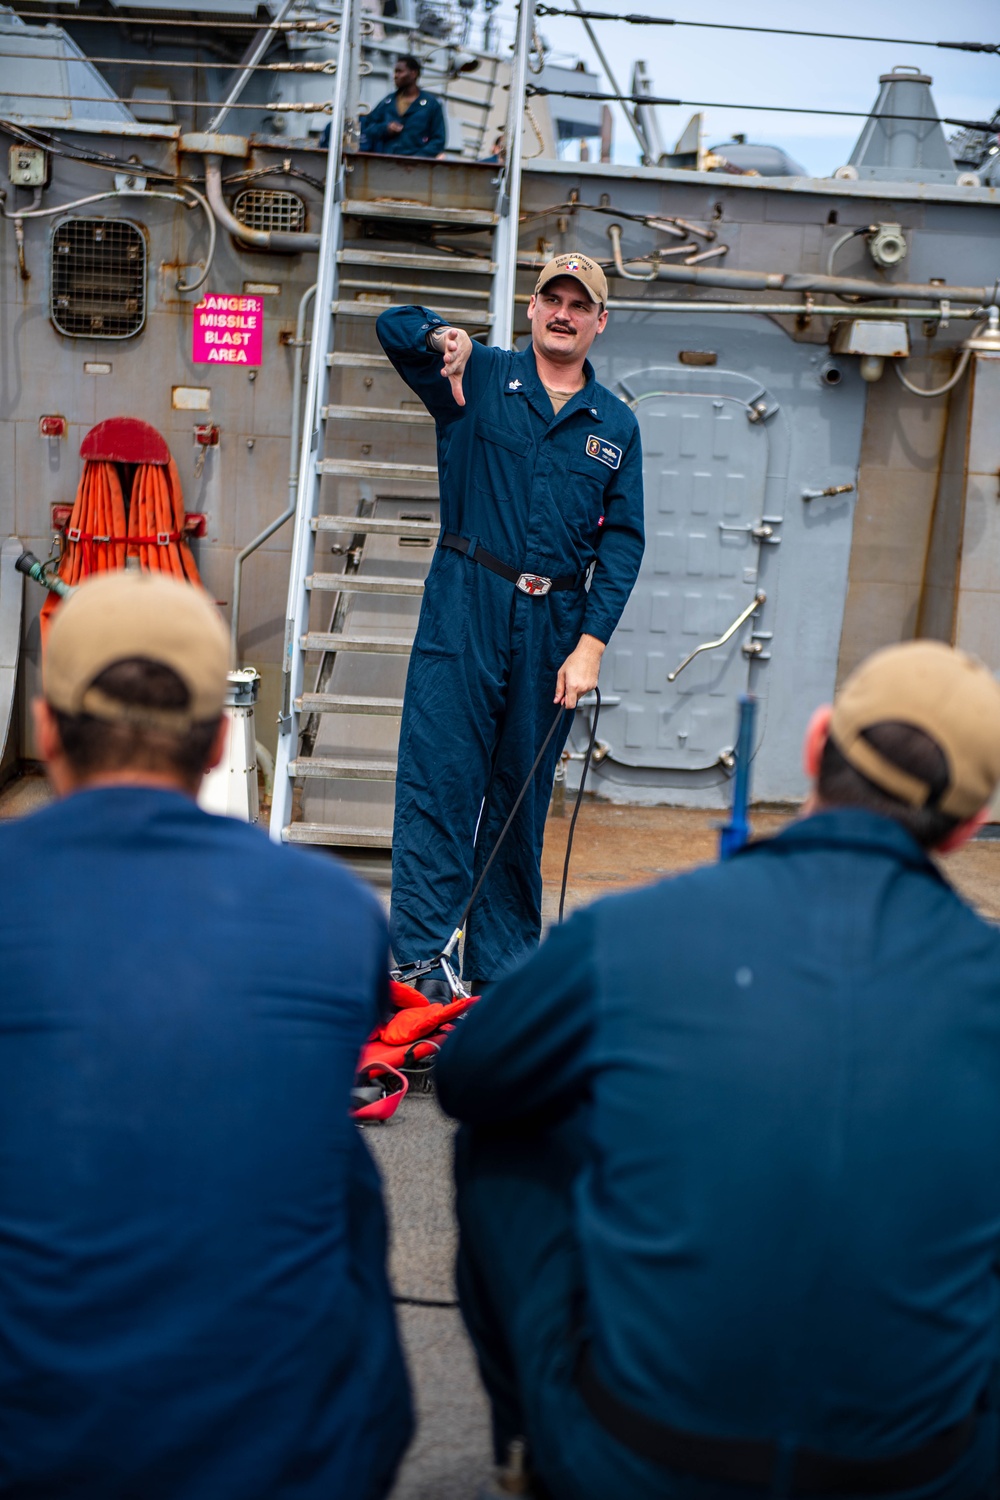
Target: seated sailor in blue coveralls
(541,483)
(729,1176)
(193,1293)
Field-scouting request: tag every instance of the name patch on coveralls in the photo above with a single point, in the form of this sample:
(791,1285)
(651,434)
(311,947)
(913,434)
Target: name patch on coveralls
(605,453)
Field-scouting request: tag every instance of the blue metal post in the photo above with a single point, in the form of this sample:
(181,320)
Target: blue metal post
(734,834)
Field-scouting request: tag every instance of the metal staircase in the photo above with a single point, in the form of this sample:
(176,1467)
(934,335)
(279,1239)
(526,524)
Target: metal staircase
(367,509)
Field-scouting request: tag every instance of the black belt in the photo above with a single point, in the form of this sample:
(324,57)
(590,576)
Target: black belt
(747,1461)
(528,583)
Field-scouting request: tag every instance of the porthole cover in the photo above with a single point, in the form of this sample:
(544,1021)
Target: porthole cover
(98,282)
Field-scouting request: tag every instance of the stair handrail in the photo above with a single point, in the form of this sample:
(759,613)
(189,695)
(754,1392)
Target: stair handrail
(316,382)
(509,195)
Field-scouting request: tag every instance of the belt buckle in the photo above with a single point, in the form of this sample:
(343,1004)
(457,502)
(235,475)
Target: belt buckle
(534,584)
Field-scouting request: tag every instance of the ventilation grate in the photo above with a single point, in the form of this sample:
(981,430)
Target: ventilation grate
(269,209)
(98,278)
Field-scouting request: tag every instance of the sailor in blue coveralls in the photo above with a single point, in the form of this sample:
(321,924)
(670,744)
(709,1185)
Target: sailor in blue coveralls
(541,482)
(406,122)
(728,1179)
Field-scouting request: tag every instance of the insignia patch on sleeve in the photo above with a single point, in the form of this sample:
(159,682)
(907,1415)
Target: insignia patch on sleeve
(605,453)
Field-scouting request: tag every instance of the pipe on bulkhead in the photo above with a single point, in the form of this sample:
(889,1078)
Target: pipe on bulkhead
(615,236)
(803,281)
(260,239)
(976,340)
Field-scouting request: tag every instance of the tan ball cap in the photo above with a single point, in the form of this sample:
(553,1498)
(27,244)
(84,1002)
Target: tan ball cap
(952,697)
(127,614)
(583,269)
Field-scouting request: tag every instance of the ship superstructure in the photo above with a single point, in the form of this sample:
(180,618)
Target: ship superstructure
(814,364)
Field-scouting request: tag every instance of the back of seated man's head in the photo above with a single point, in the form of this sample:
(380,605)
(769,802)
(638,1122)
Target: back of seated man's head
(134,681)
(913,735)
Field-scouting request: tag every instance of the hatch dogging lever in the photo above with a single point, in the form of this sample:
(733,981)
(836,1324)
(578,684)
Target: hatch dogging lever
(741,619)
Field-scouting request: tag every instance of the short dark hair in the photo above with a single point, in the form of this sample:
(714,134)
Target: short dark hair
(413,63)
(95,746)
(840,785)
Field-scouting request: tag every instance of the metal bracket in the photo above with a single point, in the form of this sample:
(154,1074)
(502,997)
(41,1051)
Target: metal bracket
(755,649)
(608,700)
(761,409)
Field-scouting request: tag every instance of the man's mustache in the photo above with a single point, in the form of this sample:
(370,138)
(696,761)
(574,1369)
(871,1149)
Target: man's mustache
(555,326)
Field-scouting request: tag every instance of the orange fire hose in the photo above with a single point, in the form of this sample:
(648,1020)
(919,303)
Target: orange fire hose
(98,536)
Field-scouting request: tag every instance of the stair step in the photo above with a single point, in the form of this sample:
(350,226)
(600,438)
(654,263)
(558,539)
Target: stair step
(362,468)
(335,640)
(458,315)
(402,260)
(347,703)
(358,361)
(337,834)
(403,209)
(375,414)
(362,583)
(375,525)
(338,768)
(421,288)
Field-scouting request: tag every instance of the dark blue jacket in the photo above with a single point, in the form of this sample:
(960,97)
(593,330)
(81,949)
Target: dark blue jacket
(544,494)
(423,134)
(193,1300)
(786,1077)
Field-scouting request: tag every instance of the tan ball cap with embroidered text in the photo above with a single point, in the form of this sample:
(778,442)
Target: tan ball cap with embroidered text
(582,269)
(121,615)
(951,696)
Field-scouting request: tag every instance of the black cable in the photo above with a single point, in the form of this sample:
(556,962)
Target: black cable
(282,170)
(108,163)
(579,800)
(511,815)
(778,109)
(422,1301)
(833,36)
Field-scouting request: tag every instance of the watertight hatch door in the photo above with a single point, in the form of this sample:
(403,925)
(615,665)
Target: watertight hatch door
(705,462)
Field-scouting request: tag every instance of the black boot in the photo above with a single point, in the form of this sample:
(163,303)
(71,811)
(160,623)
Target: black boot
(435,988)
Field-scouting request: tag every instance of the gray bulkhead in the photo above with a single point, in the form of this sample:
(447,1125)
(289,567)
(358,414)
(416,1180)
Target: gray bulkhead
(741,413)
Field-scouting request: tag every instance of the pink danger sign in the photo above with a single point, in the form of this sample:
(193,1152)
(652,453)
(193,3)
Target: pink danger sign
(228,330)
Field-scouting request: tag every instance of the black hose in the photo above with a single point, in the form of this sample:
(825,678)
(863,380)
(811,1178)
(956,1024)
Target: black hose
(511,815)
(579,800)
(398,1297)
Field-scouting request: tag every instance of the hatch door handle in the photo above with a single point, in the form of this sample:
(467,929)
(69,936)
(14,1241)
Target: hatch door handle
(727,635)
(761,531)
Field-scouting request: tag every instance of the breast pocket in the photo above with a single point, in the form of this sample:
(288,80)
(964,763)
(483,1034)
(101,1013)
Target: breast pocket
(583,496)
(500,461)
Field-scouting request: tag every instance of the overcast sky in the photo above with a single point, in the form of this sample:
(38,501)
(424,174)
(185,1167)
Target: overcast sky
(741,68)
